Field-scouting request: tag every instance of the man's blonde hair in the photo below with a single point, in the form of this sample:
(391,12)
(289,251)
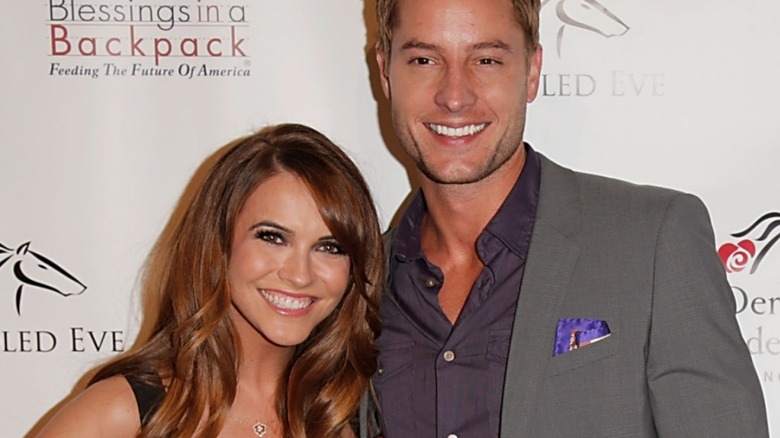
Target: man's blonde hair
(526,14)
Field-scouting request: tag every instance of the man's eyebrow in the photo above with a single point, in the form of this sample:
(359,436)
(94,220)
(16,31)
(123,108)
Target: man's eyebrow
(414,44)
(497,44)
(419,45)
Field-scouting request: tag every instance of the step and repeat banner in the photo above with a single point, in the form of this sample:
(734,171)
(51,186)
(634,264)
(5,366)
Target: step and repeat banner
(108,107)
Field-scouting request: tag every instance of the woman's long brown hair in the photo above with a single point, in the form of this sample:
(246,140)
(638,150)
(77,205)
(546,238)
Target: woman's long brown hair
(190,341)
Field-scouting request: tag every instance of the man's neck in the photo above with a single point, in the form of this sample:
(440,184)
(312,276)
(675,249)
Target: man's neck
(458,213)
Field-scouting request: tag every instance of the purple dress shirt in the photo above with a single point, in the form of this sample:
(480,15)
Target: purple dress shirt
(436,379)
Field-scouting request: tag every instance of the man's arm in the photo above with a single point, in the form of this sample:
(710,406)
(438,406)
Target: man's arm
(701,378)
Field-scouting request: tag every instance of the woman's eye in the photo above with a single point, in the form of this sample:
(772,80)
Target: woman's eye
(332,248)
(270,237)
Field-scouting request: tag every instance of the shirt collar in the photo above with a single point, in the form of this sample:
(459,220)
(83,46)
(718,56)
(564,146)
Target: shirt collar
(514,221)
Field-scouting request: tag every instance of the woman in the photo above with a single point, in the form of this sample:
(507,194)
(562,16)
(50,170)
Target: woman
(267,287)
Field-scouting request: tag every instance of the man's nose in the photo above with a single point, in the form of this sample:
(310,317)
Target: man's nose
(456,91)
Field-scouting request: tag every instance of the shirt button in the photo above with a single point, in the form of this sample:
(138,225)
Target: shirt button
(380,371)
(452,435)
(449,356)
(429,283)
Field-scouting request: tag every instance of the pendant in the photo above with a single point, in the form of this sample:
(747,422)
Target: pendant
(259,429)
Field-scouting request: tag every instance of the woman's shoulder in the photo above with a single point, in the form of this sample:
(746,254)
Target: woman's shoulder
(105,408)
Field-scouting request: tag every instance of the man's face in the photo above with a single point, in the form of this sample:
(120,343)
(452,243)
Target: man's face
(459,79)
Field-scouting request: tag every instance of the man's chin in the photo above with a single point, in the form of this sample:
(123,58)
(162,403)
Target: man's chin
(452,177)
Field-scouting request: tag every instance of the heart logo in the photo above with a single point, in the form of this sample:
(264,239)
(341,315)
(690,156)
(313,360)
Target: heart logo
(735,258)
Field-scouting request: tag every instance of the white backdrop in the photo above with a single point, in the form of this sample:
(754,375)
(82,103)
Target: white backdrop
(99,137)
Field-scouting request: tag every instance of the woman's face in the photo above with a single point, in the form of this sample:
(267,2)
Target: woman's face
(286,272)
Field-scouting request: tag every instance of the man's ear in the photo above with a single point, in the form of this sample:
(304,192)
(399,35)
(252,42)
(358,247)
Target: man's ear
(382,61)
(534,73)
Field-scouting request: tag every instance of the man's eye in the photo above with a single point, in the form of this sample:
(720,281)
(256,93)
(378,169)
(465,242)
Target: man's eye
(421,61)
(488,61)
(270,237)
(332,248)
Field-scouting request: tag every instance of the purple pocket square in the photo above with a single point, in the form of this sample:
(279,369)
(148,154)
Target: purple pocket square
(573,333)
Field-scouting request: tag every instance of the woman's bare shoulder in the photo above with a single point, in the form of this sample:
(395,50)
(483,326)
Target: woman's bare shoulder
(106,408)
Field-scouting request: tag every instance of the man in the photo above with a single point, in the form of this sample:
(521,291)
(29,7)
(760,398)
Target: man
(525,299)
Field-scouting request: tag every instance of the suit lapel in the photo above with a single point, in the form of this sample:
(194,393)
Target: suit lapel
(552,257)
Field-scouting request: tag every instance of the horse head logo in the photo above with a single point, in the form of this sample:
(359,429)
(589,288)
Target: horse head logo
(589,15)
(753,245)
(33,269)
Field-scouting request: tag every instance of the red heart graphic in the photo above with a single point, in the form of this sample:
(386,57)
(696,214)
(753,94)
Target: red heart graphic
(748,246)
(736,257)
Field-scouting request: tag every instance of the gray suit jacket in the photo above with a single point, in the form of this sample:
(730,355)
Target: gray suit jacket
(642,259)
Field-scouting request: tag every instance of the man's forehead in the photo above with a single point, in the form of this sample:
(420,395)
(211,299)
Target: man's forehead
(455,17)
(423,28)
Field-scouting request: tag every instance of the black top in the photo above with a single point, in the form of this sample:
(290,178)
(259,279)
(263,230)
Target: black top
(148,396)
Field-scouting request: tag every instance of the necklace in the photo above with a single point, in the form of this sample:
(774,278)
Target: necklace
(258,428)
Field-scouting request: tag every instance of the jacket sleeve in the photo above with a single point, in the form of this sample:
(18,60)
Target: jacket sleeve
(370,418)
(701,378)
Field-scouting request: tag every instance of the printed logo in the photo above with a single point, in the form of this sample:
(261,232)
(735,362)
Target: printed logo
(589,15)
(33,269)
(754,295)
(126,39)
(752,245)
(562,77)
